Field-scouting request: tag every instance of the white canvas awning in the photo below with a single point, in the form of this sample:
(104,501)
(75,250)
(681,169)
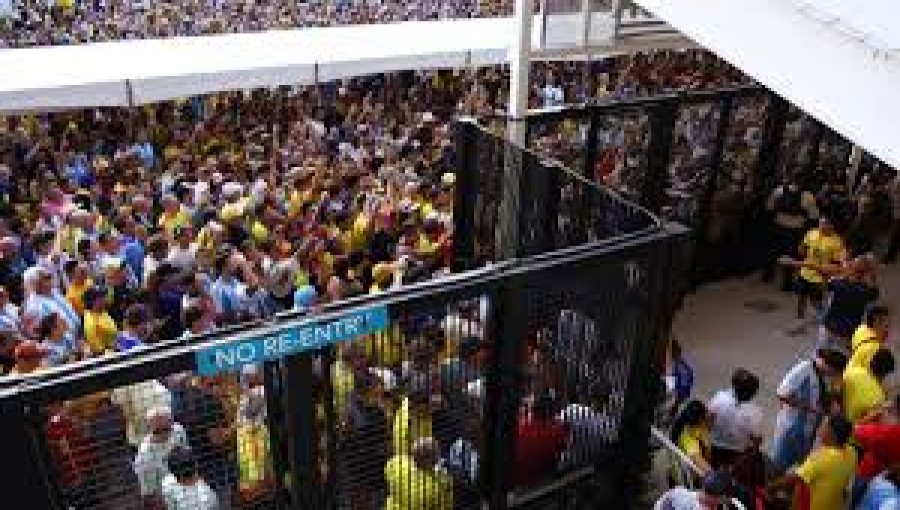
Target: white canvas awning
(134,72)
(838,61)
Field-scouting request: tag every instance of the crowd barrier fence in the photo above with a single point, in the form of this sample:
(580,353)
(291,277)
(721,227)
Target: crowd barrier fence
(706,159)
(424,396)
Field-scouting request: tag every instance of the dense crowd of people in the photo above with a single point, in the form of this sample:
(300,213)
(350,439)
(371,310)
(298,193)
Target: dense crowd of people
(836,431)
(25,23)
(122,228)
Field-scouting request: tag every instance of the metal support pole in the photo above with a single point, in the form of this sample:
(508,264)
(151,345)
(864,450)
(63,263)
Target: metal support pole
(770,148)
(465,194)
(302,441)
(520,66)
(757,220)
(585,23)
(507,327)
(618,7)
(702,254)
(274,420)
(662,125)
(818,132)
(855,165)
(328,357)
(584,199)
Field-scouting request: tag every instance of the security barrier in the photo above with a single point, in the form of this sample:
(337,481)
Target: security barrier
(522,383)
(706,159)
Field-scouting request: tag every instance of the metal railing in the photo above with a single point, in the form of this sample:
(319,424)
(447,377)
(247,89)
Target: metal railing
(675,456)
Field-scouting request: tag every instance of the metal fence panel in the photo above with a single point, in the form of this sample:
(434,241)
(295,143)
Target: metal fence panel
(410,400)
(136,446)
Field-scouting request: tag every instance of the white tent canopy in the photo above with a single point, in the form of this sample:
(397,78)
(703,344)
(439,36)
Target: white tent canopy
(838,61)
(135,72)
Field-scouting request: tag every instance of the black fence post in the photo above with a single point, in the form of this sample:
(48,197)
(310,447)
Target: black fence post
(662,125)
(25,462)
(809,173)
(303,439)
(584,205)
(551,190)
(466,191)
(644,389)
(702,256)
(508,329)
(756,221)
(328,356)
(275,422)
(769,154)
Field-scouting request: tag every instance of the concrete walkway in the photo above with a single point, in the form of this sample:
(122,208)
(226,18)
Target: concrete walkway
(745,323)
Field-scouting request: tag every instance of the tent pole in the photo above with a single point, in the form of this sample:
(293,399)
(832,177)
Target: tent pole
(520,66)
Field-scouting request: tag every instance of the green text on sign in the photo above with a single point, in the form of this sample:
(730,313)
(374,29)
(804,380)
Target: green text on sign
(233,355)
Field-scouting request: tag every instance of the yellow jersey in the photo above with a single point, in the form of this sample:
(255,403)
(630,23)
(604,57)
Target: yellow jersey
(99,332)
(828,471)
(865,344)
(862,393)
(821,249)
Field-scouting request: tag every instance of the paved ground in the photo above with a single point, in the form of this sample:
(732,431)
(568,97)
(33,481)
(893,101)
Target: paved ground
(746,323)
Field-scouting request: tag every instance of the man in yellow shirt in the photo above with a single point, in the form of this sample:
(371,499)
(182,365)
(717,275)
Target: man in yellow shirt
(79,282)
(863,387)
(869,336)
(416,481)
(821,481)
(821,248)
(99,328)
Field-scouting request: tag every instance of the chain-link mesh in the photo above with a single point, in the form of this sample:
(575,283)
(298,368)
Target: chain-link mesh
(576,367)
(556,207)
(409,410)
(691,161)
(622,143)
(183,442)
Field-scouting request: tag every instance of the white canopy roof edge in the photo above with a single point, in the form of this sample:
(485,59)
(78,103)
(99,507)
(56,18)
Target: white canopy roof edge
(158,69)
(124,73)
(817,62)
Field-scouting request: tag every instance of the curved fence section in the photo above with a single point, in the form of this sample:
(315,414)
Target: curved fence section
(520,384)
(557,207)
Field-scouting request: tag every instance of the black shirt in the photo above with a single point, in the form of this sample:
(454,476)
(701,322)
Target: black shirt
(848,303)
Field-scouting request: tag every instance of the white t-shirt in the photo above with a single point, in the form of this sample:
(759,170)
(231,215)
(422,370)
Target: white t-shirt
(198,496)
(678,498)
(150,463)
(734,424)
(183,258)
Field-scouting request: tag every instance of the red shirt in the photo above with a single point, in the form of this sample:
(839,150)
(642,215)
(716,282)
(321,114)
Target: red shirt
(538,445)
(70,450)
(881,445)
